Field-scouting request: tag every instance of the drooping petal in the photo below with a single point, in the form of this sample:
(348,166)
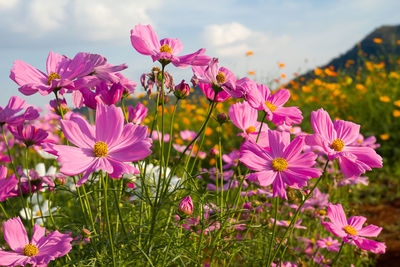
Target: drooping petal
(195,59)
(370,245)
(350,166)
(366,155)
(279,187)
(120,168)
(15,234)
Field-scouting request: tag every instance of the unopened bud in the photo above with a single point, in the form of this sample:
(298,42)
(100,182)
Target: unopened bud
(221,118)
(182,90)
(186,206)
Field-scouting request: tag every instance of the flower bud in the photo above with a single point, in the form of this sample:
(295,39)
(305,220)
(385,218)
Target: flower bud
(182,90)
(186,206)
(221,118)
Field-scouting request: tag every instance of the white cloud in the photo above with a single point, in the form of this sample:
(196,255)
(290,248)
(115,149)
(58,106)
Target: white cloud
(7,4)
(223,34)
(94,20)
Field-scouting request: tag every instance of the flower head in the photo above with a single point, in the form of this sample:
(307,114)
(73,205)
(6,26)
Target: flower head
(105,146)
(40,250)
(186,206)
(15,105)
(283,164)
(336,140)
(352,230)
(146,42)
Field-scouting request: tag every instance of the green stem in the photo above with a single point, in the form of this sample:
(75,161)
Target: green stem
(271,241)
(338,254)
(298,210)
(4,211)
(119,211)
(124,110)
(108,217)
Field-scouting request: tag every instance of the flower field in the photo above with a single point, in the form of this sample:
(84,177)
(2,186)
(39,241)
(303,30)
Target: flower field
(214,170)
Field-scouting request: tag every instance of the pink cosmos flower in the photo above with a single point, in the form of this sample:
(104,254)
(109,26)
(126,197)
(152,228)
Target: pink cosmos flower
(336,139)
(210,93)
(187,135)
(369,142)
(329,243)
(186,206)
(318,200)
(61,71)
(352,230)
(15,105)
(273,105)
(138,114)
(28,134)
(283,165)
(218,78)
(245,118)
(38,252)
(231,159)
(146,42)
(107,146)
(7,184)
(286,223)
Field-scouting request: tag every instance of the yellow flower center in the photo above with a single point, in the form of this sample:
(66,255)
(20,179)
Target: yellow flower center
(251,129)
(166,48)
(30,250)
(279,164)
(38,213)
(322,212)
(270,106)
(350,230)
(328,243)
(52,76)
(359,141)
(100,149)
(220,77)
(337,145)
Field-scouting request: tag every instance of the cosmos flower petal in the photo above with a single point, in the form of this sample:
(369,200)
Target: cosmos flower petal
(370,245)
(15,234)
(370,231)
(356,222)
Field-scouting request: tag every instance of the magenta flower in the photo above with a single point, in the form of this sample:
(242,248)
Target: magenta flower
(286,223)
(273,105)
(283,165)
(352,230)
(138,114)
(38,252)
(107,146)
(187,135)
(218,78)
(28,134)
(146,42)
(335,140)
(245,118)
(8,185)
(61,71)
(186,206)
(329,243)
(210,93)
(15,105)
(182,90)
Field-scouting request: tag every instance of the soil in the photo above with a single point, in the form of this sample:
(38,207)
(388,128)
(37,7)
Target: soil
(387,215)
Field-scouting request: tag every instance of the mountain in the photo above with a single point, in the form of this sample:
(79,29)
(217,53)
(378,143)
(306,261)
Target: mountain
(382,45)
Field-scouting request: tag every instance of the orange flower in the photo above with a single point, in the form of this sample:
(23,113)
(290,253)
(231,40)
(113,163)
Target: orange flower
(249,53)
(283,76)
(306,89)
(377,40)
(384,136)
(209,131)
(250,72)
(318,71)
(398,42)
(385,99)
(281,65)
(397,103)
(396,113)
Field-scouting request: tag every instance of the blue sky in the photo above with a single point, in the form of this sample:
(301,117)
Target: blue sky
(301,34)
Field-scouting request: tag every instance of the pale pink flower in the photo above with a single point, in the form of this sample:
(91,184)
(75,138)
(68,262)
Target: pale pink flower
(39,251)
(352,230)
(146,42)
(106,146)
